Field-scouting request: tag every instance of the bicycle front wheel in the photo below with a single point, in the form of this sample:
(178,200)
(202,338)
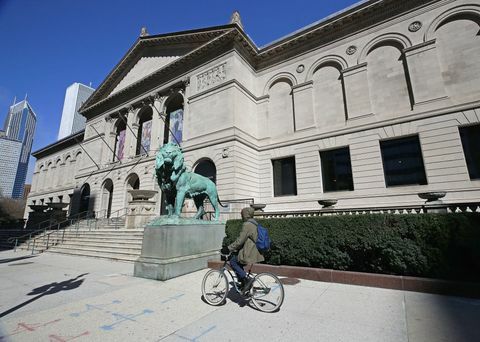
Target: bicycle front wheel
(214,287)
(267,292)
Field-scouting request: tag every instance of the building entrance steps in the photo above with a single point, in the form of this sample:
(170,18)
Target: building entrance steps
(97,239)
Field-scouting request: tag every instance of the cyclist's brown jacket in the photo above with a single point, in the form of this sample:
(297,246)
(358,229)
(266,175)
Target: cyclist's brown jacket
(245,244)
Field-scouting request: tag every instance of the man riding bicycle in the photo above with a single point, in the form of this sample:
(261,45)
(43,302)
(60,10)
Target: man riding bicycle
(247,249)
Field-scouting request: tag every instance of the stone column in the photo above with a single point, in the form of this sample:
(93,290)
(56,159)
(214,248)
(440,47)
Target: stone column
(303,106)
(425,73)
(186,107)
(130,140)
(109,136)
(262,114)
(356,91)
(158,125)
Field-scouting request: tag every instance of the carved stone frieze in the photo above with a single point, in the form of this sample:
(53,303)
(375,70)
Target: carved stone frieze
(351,50)
(212,76)
(415,26)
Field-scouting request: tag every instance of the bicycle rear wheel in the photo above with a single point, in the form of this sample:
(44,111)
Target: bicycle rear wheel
(267,292)
(214,287)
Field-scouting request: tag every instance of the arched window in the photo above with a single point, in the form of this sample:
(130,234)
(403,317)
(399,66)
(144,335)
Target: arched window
(387,79)
(67,176)
(58,173)
(280,108)
(107,197)
(328,95)
(39,179)
(458,43)
(120,134)
(174,121)
(132,183)
(207,168)
(144,132)
(49,176)
(84,198)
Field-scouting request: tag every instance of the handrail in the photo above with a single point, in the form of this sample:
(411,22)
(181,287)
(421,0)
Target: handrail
(57,230)
(77,217)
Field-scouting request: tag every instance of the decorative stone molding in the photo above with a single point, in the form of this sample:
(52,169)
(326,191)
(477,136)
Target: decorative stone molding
(300,68)
(415,26)
(351,50)
(212,76)
(225,152)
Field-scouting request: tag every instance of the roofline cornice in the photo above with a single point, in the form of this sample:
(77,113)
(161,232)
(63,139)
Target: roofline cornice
(68,141)
(354,19)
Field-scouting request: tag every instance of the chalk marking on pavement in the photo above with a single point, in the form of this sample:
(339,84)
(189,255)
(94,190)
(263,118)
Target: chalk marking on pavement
(90,307)
(55,338)
(121,318)
(24,327)
(173,298)
(195,339)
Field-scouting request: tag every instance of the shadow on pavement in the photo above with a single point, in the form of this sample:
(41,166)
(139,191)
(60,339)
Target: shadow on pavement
(48,289)
(4,261)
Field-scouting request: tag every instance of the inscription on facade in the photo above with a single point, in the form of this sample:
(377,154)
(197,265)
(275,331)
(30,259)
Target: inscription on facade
(212,76)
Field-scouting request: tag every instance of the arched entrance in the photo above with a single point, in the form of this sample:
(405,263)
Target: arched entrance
(107,196)
(174,121)
(84,197)
(132,183)
(207,169)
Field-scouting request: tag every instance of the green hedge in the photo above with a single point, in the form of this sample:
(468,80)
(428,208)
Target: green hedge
(427,245)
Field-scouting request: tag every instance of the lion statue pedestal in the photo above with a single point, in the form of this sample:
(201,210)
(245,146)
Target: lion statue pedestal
(173,245)
(176,247)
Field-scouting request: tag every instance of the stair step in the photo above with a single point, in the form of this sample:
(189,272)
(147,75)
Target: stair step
(99,255)
(107,245)
(106,251)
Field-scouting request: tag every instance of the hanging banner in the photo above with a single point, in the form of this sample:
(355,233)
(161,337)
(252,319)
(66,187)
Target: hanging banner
(176,126)
(120,144)
(146,136)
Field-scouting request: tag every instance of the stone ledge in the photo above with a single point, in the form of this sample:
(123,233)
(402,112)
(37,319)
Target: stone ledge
(416,284)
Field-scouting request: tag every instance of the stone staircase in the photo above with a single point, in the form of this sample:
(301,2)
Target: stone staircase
(106,239)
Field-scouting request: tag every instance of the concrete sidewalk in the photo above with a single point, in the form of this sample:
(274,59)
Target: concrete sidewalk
(51,297)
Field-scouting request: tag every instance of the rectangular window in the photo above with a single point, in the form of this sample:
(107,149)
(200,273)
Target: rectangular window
(470,136)
(336,170)
(284,177)
(403,162)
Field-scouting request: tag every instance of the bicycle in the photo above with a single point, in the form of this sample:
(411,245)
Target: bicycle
(266,292)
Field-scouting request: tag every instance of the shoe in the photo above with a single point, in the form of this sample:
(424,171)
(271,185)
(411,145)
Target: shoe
(248,282)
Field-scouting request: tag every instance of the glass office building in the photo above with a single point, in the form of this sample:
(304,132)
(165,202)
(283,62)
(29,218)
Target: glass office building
(19,129)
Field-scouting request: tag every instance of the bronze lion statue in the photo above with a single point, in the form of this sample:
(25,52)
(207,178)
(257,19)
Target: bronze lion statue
(177,183)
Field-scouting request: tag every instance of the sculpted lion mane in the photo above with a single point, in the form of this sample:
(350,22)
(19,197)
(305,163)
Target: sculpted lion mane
(177,183)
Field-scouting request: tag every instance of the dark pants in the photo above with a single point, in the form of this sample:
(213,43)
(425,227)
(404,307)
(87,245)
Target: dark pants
(237,267)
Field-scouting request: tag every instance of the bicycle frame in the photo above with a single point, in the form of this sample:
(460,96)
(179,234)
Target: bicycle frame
(224,269)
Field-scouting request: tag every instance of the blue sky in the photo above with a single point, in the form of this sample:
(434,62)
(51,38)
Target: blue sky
(46,45)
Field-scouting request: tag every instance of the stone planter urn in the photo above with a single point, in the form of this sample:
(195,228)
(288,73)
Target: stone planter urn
(38,208)
(433,202)
(57,206)
(326,203)
(141,209)
(142,195)
(432,196)
(258,206)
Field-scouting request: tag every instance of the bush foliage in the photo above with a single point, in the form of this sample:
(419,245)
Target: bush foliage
(427,245)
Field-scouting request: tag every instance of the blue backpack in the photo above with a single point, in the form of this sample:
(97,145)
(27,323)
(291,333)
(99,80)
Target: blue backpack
(263,240)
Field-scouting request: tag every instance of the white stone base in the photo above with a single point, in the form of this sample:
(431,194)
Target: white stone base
(169,251)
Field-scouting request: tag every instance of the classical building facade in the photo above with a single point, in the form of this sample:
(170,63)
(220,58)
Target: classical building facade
(370,107)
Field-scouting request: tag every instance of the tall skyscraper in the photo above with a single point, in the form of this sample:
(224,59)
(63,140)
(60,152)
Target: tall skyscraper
(15,148)
(72,122)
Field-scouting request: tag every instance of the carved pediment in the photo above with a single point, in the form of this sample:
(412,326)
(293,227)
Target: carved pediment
(144,67)
(150,54)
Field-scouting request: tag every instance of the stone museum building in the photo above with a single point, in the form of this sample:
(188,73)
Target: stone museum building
(370,106)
